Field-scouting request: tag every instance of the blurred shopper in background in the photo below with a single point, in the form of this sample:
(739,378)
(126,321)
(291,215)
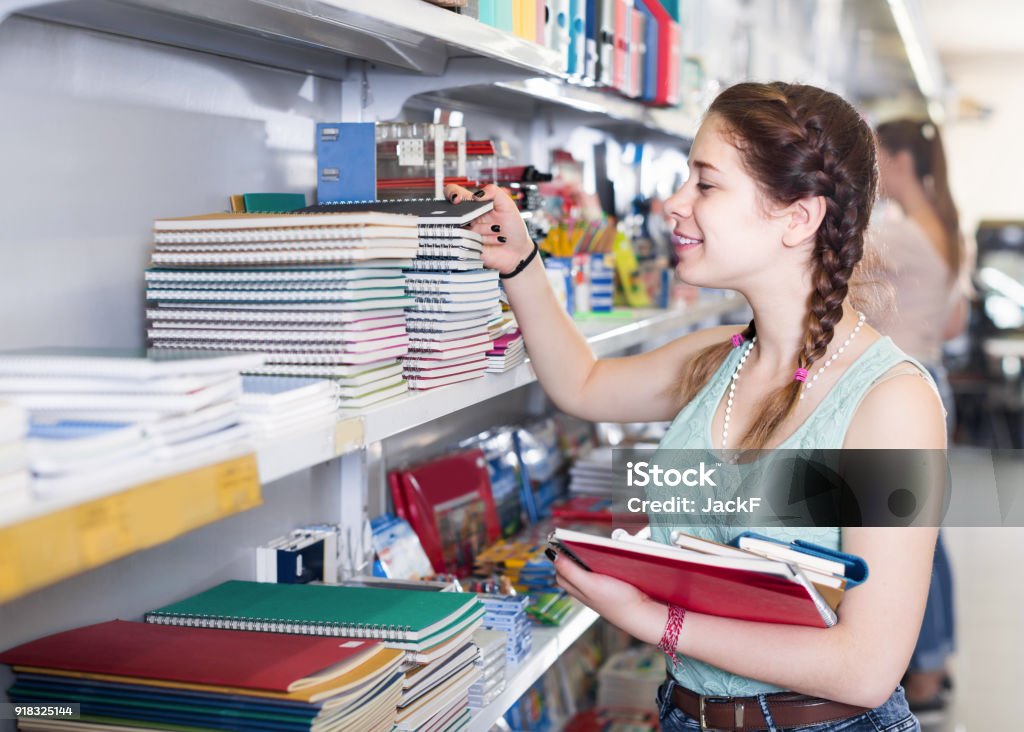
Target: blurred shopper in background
(922,255)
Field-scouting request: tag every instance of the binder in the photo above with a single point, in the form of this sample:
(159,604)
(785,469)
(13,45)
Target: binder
(606,42)
(623,27)
(404,619)
(556,29)
(577,51)
(346,161)
(591,35)
(669,50)
(637,31)
(849,566)
(649,57)
(743,587)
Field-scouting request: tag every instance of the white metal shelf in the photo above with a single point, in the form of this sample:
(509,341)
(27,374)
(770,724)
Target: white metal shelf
(352,432)
(321,36)
(312,36)
(548,645)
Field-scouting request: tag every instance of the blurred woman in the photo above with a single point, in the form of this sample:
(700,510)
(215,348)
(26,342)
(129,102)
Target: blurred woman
(922,255)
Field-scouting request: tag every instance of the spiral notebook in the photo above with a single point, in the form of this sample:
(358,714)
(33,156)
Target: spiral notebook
(406,619)
(427,210)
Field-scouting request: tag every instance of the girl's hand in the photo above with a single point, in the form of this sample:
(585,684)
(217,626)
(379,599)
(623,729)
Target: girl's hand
(616,601)
(506,240)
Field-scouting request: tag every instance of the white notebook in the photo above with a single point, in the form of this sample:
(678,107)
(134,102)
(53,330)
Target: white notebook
(473,363)
(250,221)
(273,393)
(375,397)
(453,304)
(122,364)
(344,375)
(477,277)
(283,296)
(447,355)
(332,357)
(99,402)
(445,326)
(358,331)
(423,383)
(320,336)
(414,362)
(249,277)
(374,283)
(352,319)
(310,256)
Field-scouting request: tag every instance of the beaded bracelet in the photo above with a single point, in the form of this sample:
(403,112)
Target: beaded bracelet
(670,637)
(522,265)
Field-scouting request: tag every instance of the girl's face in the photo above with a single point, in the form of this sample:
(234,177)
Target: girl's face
(721,230)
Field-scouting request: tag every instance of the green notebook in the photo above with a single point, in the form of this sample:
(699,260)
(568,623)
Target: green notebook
(409,619)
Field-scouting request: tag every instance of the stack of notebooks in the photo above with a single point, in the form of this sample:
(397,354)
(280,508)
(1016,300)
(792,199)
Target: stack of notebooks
(137,675)
(492,663)
(321,294)
(435,695)
(101,416)
(455,299)
(15,484)
(508,351)
(507,614)
(275,406)
(433,628)
(592,474)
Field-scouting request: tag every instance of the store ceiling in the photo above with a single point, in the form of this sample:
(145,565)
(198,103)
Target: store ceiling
(961,30)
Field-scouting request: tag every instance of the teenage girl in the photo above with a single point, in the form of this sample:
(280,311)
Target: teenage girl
(782,181)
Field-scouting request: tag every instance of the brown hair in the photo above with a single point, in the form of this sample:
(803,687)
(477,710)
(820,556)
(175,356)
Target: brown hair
(799,141)
(921,138)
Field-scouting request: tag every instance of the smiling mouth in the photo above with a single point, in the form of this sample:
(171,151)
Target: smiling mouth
(682,242)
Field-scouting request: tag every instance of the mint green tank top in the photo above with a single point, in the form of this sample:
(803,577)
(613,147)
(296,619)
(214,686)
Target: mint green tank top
(825,428)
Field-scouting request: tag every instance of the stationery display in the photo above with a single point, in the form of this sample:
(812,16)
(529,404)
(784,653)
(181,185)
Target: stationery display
(507,614)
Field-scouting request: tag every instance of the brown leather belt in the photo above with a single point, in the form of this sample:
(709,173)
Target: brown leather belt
(743,713)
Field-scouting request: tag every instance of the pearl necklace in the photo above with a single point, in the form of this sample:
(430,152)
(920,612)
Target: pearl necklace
(807,385)
(834,356)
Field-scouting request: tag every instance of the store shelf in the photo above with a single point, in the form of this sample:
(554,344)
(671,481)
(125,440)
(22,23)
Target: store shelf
(312,36)
(141,506)
(606,337)
(548,645)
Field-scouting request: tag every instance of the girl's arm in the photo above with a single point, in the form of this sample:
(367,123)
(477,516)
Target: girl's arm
(641,388)
(861,659)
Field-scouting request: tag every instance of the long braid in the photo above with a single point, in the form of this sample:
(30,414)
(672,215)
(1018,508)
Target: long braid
(799,141)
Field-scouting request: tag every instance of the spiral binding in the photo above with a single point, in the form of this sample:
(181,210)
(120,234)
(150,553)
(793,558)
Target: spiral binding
(386,632)
(163,237)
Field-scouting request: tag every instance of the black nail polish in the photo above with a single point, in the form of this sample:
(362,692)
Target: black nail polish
(502,239)
(479,194)
(550,554)
(454,196)
(495,228)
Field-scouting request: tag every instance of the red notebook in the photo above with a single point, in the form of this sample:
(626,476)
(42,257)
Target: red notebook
(765,591)
(242,659)
(449,504)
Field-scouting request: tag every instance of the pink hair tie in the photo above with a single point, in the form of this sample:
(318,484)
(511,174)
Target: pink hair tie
(800,375)
(737,340)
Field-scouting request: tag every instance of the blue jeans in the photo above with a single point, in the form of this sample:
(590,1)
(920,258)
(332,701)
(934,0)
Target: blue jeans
(893,716)
(937,638)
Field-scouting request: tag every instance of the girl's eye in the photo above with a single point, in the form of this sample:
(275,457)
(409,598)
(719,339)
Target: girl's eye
(704,187)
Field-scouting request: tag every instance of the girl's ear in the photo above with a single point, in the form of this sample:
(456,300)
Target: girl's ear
(803,219)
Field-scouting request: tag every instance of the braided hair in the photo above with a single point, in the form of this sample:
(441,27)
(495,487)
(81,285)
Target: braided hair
(798,141)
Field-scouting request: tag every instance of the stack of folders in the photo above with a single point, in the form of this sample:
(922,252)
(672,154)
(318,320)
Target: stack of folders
(276,406)
(492,665)
(101,416)
(15,487)
(322,294)
(507,613)
(435,695)
(140,676)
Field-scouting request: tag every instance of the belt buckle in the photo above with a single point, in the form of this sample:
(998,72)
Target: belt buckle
(738,709)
